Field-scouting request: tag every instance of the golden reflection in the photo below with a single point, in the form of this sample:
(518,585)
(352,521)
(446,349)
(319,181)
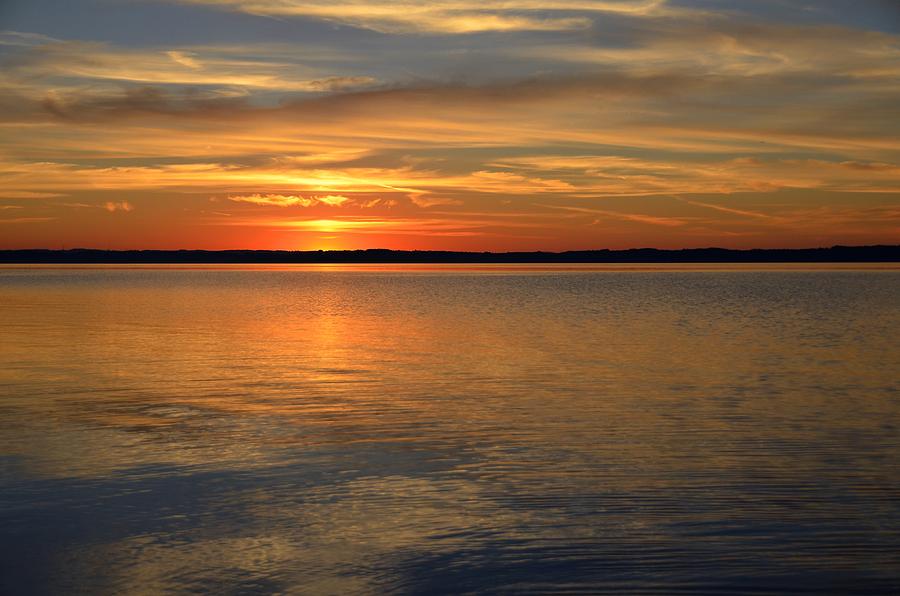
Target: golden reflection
(337,357)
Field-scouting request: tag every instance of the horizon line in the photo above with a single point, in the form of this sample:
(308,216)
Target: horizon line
(437,250)
(833,254)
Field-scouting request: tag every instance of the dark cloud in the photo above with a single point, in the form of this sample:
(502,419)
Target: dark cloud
(141,101)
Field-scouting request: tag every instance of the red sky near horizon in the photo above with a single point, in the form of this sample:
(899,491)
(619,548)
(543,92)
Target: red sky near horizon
(450,124)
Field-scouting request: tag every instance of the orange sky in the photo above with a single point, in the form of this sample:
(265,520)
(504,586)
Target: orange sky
(449,124)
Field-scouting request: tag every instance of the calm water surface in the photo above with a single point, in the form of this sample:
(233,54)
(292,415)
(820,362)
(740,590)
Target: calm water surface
(426,430)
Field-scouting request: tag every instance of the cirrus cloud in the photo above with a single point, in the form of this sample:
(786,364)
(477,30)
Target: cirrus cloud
(449,16)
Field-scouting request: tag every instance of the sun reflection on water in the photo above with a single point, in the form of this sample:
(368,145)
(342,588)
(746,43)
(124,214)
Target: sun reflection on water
(363,430)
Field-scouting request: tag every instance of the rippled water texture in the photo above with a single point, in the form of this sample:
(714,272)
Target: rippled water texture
(491,429)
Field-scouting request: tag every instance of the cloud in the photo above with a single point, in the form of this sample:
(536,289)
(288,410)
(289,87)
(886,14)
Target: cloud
(653,93)
(21,38)
(378,203)
(278,200)
(546,175)
(333,200)
(184,59)
(28,194)
(611,175)
(747,48)
(274,200)
(449,16)
(420,199)
(374,225)
(868,167)
(662,112)
(732,210)
(635,217)
(460,99)
(113,206)
(25,220)
(58,62)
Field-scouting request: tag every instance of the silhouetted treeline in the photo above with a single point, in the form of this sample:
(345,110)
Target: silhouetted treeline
(834,254)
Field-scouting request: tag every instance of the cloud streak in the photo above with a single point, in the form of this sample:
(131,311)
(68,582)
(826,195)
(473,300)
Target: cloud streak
(296,201)
(449,16)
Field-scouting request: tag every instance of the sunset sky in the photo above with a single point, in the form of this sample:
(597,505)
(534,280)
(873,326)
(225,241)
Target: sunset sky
(449,124)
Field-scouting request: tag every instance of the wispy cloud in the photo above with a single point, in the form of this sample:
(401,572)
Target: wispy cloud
(449,16)
(655,220)
(24,38)
(278,200)
(369,225)
(114,206)
(736,48)
(25,220)
(28,194)
(61,61)
(274,200)
(732,210)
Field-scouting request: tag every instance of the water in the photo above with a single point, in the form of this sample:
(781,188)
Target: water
(452,429)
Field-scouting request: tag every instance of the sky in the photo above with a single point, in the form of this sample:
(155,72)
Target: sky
(449,124)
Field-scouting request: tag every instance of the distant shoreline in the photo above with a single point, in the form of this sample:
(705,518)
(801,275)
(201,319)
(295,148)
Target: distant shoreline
(834,254)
